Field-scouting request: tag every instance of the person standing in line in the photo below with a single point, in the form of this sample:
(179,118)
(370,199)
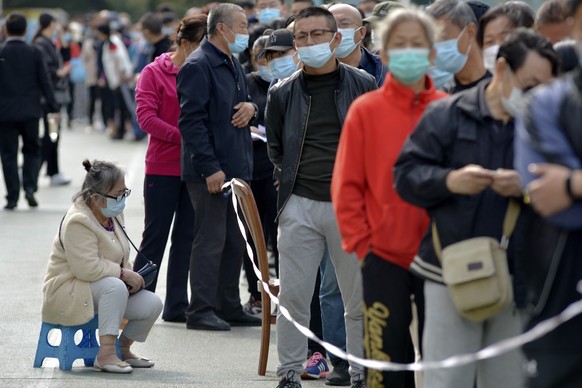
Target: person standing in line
(458,53)
(351,50)
(59,74)
(25,81)
(165,195)
(304,117)
(375,223)
(152,29)
(216,146)
(458,164)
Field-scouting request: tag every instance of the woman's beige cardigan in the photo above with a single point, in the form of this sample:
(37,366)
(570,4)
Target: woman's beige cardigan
(90,253)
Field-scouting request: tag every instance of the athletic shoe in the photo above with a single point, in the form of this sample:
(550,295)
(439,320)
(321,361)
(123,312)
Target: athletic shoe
(316,367)
(288,381)
(253,307)
(340,375)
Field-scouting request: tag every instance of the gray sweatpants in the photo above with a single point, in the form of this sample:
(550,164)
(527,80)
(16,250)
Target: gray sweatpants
(113,303)
(446,333)
(305,228)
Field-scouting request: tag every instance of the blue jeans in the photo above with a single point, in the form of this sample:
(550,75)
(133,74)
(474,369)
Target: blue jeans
(332,307)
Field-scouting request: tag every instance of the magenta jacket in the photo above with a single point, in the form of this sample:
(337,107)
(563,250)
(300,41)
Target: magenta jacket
(157,112)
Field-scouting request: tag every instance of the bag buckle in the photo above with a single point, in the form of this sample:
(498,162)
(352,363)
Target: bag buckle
(504,242)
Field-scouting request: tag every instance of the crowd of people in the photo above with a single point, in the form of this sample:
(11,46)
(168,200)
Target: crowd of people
(403,159)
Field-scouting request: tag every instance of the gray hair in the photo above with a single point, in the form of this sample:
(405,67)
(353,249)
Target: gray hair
(459,13)
(411,14)
(222,13)
(101,177)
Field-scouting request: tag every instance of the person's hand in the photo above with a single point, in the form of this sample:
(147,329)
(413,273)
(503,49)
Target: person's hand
(64,71)
(469,180)
(133,280)
(547,194)
(215,182)
(245,111)
(276,184)
(506,183)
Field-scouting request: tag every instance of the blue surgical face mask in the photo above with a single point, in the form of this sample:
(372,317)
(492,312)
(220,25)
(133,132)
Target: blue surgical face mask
(114,207)
(283,67)
(347,45)
(439,78)
(241,43)
(315,56)
(267,15)
(408,65)
(448,57)
(265,74)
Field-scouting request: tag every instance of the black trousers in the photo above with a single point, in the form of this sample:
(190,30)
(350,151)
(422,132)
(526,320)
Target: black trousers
(50,148)
(93,96)
(266,199)
(9,133)
(388,290)
(557,356)
(216,259)
(166,198)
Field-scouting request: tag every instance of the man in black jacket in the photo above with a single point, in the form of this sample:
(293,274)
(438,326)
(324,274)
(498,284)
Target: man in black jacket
(304,117)
(216,146)
(24,79)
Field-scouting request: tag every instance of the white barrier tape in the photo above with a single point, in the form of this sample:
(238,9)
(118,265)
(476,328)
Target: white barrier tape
(494,350)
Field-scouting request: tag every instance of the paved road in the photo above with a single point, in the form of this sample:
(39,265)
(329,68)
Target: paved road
(184,357)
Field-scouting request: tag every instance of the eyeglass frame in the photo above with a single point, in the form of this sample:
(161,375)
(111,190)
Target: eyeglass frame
(120,197)
(309,34)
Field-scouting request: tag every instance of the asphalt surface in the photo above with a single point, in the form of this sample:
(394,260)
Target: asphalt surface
(183,357)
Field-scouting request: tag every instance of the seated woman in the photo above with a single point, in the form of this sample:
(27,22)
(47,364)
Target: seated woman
(89,272)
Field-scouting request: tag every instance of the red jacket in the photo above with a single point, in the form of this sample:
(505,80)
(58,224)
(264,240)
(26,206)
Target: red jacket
(371,215)
(157,113)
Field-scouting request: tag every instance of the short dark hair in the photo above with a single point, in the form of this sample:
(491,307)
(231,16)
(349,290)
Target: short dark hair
(152,22)
(317,12)
(16,24)
(520,42)
(552,11)
(568,55)
(104,28)
(515,12)
(304,1)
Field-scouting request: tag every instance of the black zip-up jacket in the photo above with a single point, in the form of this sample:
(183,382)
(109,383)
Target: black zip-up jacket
(209,85)
(286,118)
(453,133)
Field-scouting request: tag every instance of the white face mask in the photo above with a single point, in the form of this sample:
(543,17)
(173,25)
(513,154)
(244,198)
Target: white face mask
(490,57)
(514,103)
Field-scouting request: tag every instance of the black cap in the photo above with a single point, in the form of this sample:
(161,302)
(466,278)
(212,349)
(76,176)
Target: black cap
(479,8)
(279,40)
(381,10)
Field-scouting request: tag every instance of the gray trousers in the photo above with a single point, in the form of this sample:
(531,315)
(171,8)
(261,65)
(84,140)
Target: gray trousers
(305,228)
(446,333)
(113,303)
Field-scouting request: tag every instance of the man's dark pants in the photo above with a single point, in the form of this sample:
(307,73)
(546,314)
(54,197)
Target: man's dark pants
(216,259)
(9,133)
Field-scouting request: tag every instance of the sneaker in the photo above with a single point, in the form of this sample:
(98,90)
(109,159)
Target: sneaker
(59,180)
(340,375)
(288,381)
(316,367)
(253,307)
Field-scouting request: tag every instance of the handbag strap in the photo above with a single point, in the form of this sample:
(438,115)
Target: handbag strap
(131,242)
(509,223)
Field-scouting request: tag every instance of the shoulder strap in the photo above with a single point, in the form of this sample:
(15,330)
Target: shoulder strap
(60,227)
(131,242)
(509,223)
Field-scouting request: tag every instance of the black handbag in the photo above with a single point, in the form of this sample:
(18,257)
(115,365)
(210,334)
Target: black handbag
(148,272)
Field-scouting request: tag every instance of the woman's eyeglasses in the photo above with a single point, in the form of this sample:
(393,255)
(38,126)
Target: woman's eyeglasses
(119,197)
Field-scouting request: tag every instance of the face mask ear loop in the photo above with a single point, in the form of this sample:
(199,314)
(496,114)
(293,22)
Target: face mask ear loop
(358,29)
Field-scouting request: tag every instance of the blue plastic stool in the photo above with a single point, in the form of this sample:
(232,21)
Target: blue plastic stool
(67,351)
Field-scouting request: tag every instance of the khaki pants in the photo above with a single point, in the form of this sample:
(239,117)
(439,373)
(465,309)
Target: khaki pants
(113,303)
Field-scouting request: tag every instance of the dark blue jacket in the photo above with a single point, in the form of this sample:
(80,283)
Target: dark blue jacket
(373,65)
(209,85)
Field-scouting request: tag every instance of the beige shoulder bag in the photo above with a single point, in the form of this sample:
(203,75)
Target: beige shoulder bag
(476,271)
